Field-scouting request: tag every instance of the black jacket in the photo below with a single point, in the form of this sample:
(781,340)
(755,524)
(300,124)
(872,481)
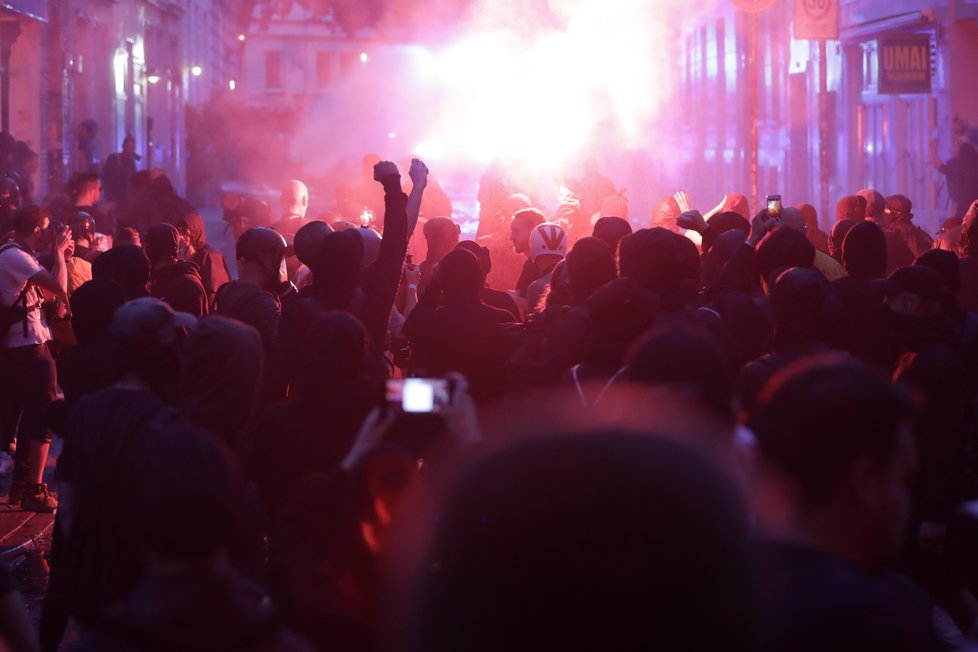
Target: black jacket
(180,286)
(201,611)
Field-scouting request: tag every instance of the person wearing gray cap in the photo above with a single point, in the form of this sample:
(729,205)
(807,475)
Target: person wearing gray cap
(92,564)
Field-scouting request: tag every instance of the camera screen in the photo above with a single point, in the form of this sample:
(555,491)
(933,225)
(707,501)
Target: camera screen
(418,396)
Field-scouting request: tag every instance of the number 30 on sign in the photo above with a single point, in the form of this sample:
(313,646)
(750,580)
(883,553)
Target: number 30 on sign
(816,19)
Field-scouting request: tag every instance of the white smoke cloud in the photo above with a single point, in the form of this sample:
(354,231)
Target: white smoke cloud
(538,85)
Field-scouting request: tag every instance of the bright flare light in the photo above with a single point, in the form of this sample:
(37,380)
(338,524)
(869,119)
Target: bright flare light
(363,57)
(196,71)
(604,77)
(231,84)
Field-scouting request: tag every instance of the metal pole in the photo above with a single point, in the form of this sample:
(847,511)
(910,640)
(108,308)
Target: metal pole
(823,126)
(755,197)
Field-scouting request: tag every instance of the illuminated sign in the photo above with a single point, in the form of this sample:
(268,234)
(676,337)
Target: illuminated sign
(904,64)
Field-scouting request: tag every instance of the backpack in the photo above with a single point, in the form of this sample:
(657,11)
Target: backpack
(528,366)
(17,311)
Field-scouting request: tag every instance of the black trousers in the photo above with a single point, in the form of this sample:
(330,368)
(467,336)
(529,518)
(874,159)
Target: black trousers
(29,385)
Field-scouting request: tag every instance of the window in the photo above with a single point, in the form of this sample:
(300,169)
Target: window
(324,69)
(273,69)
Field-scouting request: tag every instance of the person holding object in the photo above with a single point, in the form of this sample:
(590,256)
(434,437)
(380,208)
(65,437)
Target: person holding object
(27,364)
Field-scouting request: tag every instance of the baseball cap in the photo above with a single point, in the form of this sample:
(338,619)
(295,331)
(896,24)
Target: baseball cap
(548,238)
(918,280)
(148,320)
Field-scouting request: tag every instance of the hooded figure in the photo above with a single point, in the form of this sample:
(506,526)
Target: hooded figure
(222,372)
(340,282)
(663,262)
(128,266)
(173,207)
(175,282)
(489,296)
(570,530)
(92,364)
(862,328)
(187,598)
(291,439)
(464,334)
(800,304)
(210,262)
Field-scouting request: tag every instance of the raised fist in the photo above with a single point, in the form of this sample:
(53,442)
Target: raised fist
(385,169)
(418,173)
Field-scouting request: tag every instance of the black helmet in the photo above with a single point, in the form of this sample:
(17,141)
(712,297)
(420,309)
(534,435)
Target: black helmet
(308,238)
(259,241)
(82,224)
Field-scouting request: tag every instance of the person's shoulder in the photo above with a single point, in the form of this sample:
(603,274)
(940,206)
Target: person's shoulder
(496,315)
(14,257)
(188,270)
(14,250)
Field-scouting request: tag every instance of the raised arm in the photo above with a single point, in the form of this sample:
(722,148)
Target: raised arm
(419,179)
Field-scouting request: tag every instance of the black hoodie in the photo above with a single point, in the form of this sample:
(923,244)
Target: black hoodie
(213,268)
(180,286)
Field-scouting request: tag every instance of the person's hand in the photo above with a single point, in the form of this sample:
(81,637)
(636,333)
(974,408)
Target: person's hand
(385,170)
(70,249)
(716,209)
(371,433)
(692,220)
(760,226)
(460,414)
(418,173)
(683,200)
(61,239)
(412,274)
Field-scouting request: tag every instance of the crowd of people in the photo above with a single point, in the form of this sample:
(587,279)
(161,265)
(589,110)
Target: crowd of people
(727,429)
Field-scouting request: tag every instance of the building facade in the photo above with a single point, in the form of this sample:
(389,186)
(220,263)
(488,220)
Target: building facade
(877,137)
(296,58)
(108,69)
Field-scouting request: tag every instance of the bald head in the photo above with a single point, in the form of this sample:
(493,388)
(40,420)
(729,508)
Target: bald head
(295,198)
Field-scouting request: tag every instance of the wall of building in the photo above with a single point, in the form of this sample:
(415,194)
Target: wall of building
(295,58)
(128,66)
(874,140)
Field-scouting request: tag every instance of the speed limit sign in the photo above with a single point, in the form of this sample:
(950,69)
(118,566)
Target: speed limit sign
(816,19)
